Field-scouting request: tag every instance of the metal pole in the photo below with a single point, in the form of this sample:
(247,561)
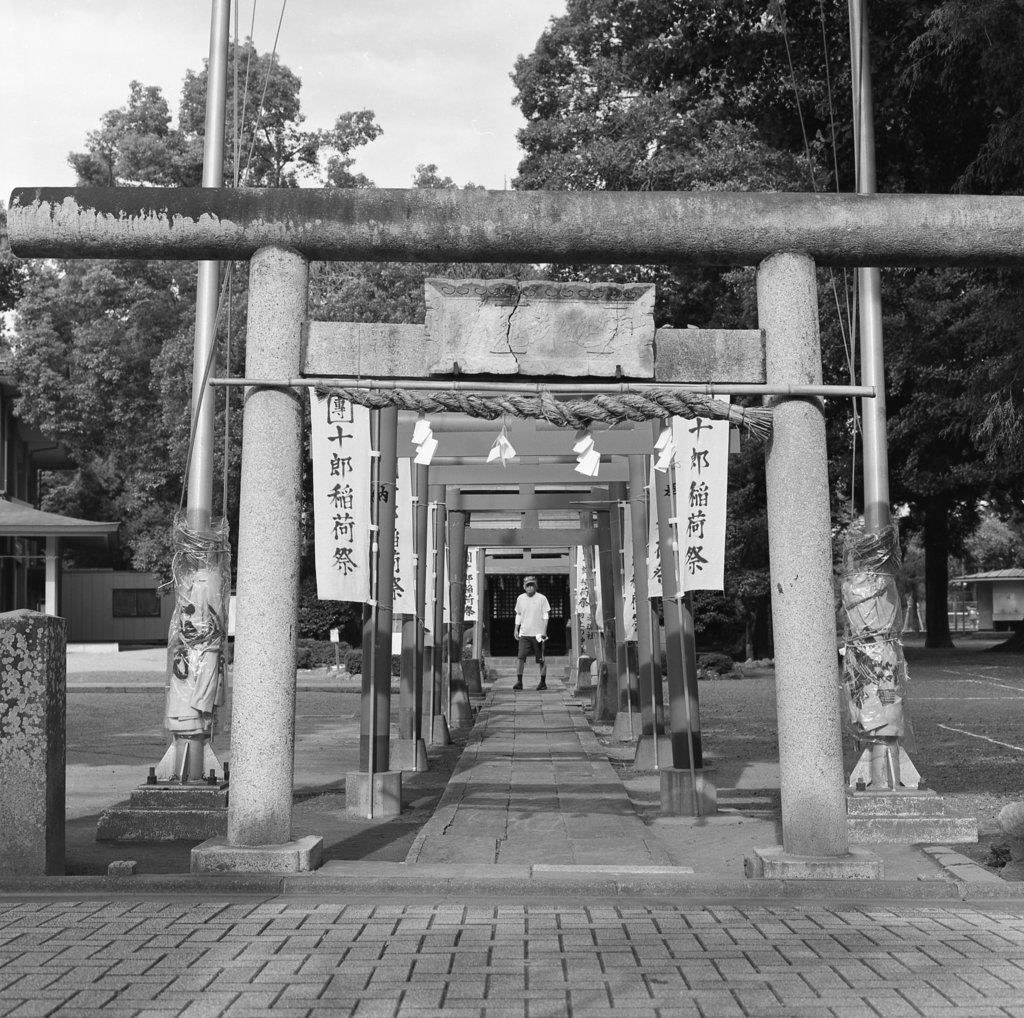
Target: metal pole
(876,457)
(421,476)
(566,388)
(200,475)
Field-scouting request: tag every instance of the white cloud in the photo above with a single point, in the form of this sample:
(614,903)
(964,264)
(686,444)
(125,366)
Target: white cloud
(436,75)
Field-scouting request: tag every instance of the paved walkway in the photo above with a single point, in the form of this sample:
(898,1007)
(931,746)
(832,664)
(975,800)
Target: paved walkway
(396,958)
(534,786)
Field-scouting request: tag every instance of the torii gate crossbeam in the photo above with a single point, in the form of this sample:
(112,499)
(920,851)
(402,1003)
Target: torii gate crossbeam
(735,228)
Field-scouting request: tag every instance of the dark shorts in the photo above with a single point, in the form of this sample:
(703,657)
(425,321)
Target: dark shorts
(530,645)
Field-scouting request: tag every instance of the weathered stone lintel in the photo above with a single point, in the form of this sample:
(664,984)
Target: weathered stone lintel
(540,327)
(382,350)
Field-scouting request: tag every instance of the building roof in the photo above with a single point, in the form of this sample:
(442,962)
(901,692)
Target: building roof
(20,520)
(992,574)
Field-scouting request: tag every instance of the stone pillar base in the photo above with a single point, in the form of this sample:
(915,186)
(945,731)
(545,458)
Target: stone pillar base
(626,727)
(677,792)
(217,856)
(439,734)
(409,755)
(651,756)
(386,791)
(774,863)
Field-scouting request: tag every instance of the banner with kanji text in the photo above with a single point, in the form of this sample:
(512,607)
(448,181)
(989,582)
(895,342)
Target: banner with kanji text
(340,449)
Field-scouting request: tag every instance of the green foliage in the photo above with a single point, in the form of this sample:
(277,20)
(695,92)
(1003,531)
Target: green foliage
(317,618)
(312,653)
(353,661)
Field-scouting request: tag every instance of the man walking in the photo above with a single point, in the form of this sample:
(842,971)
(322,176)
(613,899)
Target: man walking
(532,614)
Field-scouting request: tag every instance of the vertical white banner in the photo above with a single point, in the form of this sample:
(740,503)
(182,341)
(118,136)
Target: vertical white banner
(472,611)
(404,602)
(591,557)
(628,581)
(447,617)
(582,583)
(653,544)
(702,462)
(340,450)
(428,594)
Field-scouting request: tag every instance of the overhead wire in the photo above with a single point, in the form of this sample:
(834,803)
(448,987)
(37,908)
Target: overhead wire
(229,274)
(846,323)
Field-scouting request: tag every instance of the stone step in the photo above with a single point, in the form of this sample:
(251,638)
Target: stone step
(938,830)
(122,823)
(901,803)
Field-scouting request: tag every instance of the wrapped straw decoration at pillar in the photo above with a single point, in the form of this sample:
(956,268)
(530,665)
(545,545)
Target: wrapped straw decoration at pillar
(875,673)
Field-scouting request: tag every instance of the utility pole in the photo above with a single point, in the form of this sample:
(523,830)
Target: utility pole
(201,563)
(876,454)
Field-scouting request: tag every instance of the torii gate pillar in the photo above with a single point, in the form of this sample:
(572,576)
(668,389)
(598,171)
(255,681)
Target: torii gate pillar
(269,549)
(814,833)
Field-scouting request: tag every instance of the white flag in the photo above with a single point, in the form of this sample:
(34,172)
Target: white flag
(404,602)
(628,581)
(472,609)
(653,544)
(701,487)
(340,449)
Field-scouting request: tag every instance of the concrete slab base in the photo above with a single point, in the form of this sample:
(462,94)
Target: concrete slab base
(409,755)
(678,788)
(905,816)
(167,812)
(217,856)
(626,727)
(774,864)
(377,795)
(439,734)
(652,754)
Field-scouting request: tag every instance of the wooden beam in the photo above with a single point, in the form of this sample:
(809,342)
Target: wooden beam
(479,474)
(532,537)
(511,502)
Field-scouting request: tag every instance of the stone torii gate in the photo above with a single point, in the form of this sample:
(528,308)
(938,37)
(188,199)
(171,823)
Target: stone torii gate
(784,235)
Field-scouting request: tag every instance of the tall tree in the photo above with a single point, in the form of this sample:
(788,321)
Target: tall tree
(104,348)
(644,94)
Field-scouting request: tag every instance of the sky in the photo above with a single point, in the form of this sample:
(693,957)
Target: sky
(435,74)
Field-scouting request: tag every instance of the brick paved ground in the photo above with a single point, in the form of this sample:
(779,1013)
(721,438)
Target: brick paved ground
(291,957)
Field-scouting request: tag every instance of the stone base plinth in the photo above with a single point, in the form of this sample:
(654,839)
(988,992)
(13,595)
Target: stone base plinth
(905,816)
(385,788)
(626,727)
(409,755)
(774,863)
(439,734)
(168,812)
(677,792)
(217,856)
(652,754)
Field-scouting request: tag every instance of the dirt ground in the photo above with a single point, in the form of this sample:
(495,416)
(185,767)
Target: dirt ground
(966,707)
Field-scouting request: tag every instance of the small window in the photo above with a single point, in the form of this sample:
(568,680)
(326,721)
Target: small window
(136,603)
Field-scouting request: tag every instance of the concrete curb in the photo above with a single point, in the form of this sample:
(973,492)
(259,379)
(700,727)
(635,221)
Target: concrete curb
(360,879)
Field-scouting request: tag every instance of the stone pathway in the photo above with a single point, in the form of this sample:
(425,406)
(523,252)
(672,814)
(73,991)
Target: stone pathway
(534,786)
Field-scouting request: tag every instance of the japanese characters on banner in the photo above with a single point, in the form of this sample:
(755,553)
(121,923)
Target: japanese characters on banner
(404,600)
(471,613)
(582,584)
(702,461)
(340,447)
(653,544)
(628,582)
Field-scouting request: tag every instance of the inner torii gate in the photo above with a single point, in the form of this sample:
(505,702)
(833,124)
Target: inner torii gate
(784,235)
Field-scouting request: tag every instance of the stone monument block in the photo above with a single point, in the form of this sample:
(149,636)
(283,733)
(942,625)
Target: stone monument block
(33,690)
(508,327)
